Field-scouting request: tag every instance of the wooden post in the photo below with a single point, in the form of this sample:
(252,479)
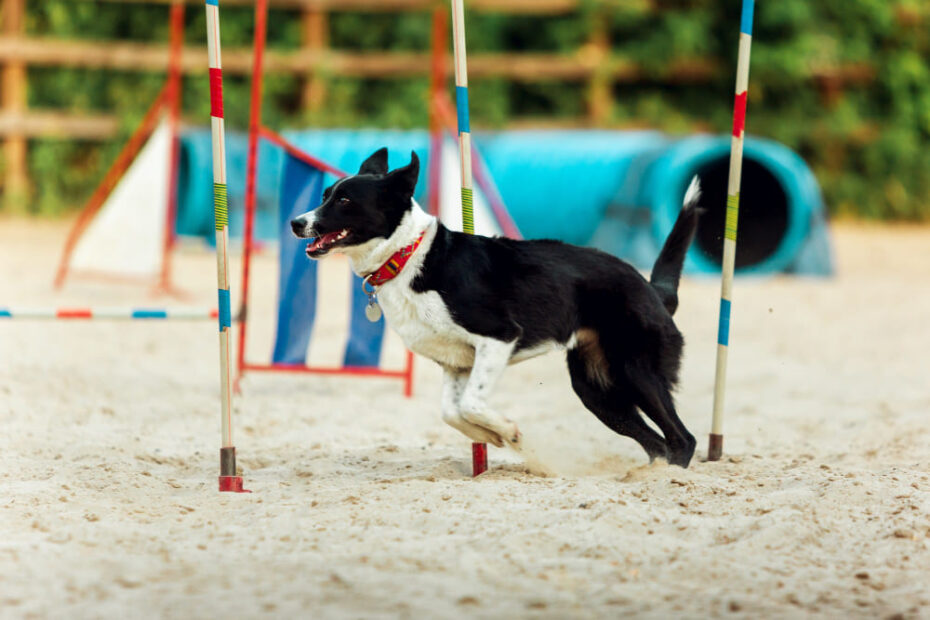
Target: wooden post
(16,180)
(599,97)
(315,36)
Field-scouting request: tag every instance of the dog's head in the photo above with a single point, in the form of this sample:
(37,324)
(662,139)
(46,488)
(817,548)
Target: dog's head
(359,208)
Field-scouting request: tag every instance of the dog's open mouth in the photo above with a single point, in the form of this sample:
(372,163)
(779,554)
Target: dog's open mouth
(321,245)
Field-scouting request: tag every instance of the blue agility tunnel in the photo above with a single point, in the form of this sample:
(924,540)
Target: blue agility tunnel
(782,221)
(618,191)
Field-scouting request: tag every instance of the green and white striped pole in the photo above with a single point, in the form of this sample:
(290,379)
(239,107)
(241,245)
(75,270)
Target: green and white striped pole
(715,444)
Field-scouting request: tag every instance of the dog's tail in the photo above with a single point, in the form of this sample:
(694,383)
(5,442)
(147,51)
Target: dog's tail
(667,270)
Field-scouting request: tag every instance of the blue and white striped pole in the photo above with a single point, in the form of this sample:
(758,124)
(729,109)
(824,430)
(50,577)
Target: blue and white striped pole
(229,481)
(715,444)
(461,106)
(479,451)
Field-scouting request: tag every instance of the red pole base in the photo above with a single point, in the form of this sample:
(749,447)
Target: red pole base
(715,447)
(479,459)
(229,481)
(232,484)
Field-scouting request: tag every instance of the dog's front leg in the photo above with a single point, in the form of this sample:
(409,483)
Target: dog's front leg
(491,357)
(454,381)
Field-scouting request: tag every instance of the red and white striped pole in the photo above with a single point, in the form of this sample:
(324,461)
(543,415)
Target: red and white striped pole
(479,451)
(229,481)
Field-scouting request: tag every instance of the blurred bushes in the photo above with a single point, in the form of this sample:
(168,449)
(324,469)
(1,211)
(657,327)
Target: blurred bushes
(844,82)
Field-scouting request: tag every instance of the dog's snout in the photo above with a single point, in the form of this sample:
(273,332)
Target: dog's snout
(297,225)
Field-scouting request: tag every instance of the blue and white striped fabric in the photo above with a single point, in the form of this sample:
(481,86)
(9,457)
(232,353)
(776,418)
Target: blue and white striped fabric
(298,282)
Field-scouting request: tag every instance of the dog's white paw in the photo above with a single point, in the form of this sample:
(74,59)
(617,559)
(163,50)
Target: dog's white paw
(513,434)
(502,430)
(472,431)
(483,435)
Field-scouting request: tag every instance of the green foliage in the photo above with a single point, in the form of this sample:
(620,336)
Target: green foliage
(867,135)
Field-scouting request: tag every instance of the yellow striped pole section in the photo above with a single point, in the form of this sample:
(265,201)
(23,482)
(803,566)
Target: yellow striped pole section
(715,444)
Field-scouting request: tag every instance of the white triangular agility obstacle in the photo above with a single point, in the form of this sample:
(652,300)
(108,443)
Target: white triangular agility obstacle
(126,236)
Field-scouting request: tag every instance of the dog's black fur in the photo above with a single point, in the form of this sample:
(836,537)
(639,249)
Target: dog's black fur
(624,349)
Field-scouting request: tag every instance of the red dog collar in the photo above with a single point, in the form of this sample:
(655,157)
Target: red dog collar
(389,270)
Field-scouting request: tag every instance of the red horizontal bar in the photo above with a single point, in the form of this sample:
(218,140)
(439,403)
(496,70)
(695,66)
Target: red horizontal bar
(74,313)
(324,370)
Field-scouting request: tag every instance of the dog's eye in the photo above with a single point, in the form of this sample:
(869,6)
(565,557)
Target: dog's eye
(343,201)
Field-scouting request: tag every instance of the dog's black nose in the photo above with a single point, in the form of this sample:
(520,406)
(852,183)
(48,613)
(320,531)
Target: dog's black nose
(297,226)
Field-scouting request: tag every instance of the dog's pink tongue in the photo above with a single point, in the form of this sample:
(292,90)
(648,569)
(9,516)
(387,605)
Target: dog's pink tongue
(319,242)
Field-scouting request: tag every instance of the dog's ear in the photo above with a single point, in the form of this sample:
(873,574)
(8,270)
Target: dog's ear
(376,164)
(404,180)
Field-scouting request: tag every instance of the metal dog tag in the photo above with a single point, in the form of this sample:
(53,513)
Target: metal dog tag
(372,310)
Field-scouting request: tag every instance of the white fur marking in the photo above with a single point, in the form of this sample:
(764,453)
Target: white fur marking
(693,194)
(453,386)
(547,346)
(425,324)
(491,357)
(308,219)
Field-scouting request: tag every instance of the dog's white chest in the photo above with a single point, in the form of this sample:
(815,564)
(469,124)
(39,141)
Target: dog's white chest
(424,324)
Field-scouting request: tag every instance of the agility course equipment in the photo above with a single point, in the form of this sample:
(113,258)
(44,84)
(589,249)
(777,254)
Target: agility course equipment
(297,179)
(295,321)
(126,229)
(786,229)
(634,182)
(299,304)
(633,187)
(228,480)
(129,314)
(479,451)
(715,442)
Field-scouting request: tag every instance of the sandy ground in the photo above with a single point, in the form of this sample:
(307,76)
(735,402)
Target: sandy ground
(363,506)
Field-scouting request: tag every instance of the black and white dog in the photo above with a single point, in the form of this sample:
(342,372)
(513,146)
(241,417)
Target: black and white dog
(475,304)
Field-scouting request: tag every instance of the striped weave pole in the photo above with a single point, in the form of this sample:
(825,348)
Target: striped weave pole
(715,444)
(228,481)
(479,451)
(143,314)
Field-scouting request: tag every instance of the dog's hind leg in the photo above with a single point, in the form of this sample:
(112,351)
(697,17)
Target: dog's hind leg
(653,397)
(612,404)
(453,386)
(491,358)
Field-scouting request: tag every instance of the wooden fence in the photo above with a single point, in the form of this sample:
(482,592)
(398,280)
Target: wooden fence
(593,64)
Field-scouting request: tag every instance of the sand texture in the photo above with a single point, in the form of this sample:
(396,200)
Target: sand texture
(363,506)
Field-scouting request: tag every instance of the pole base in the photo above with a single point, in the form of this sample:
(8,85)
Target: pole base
(229,481)
(232,484)
(714,447)
(479,459)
